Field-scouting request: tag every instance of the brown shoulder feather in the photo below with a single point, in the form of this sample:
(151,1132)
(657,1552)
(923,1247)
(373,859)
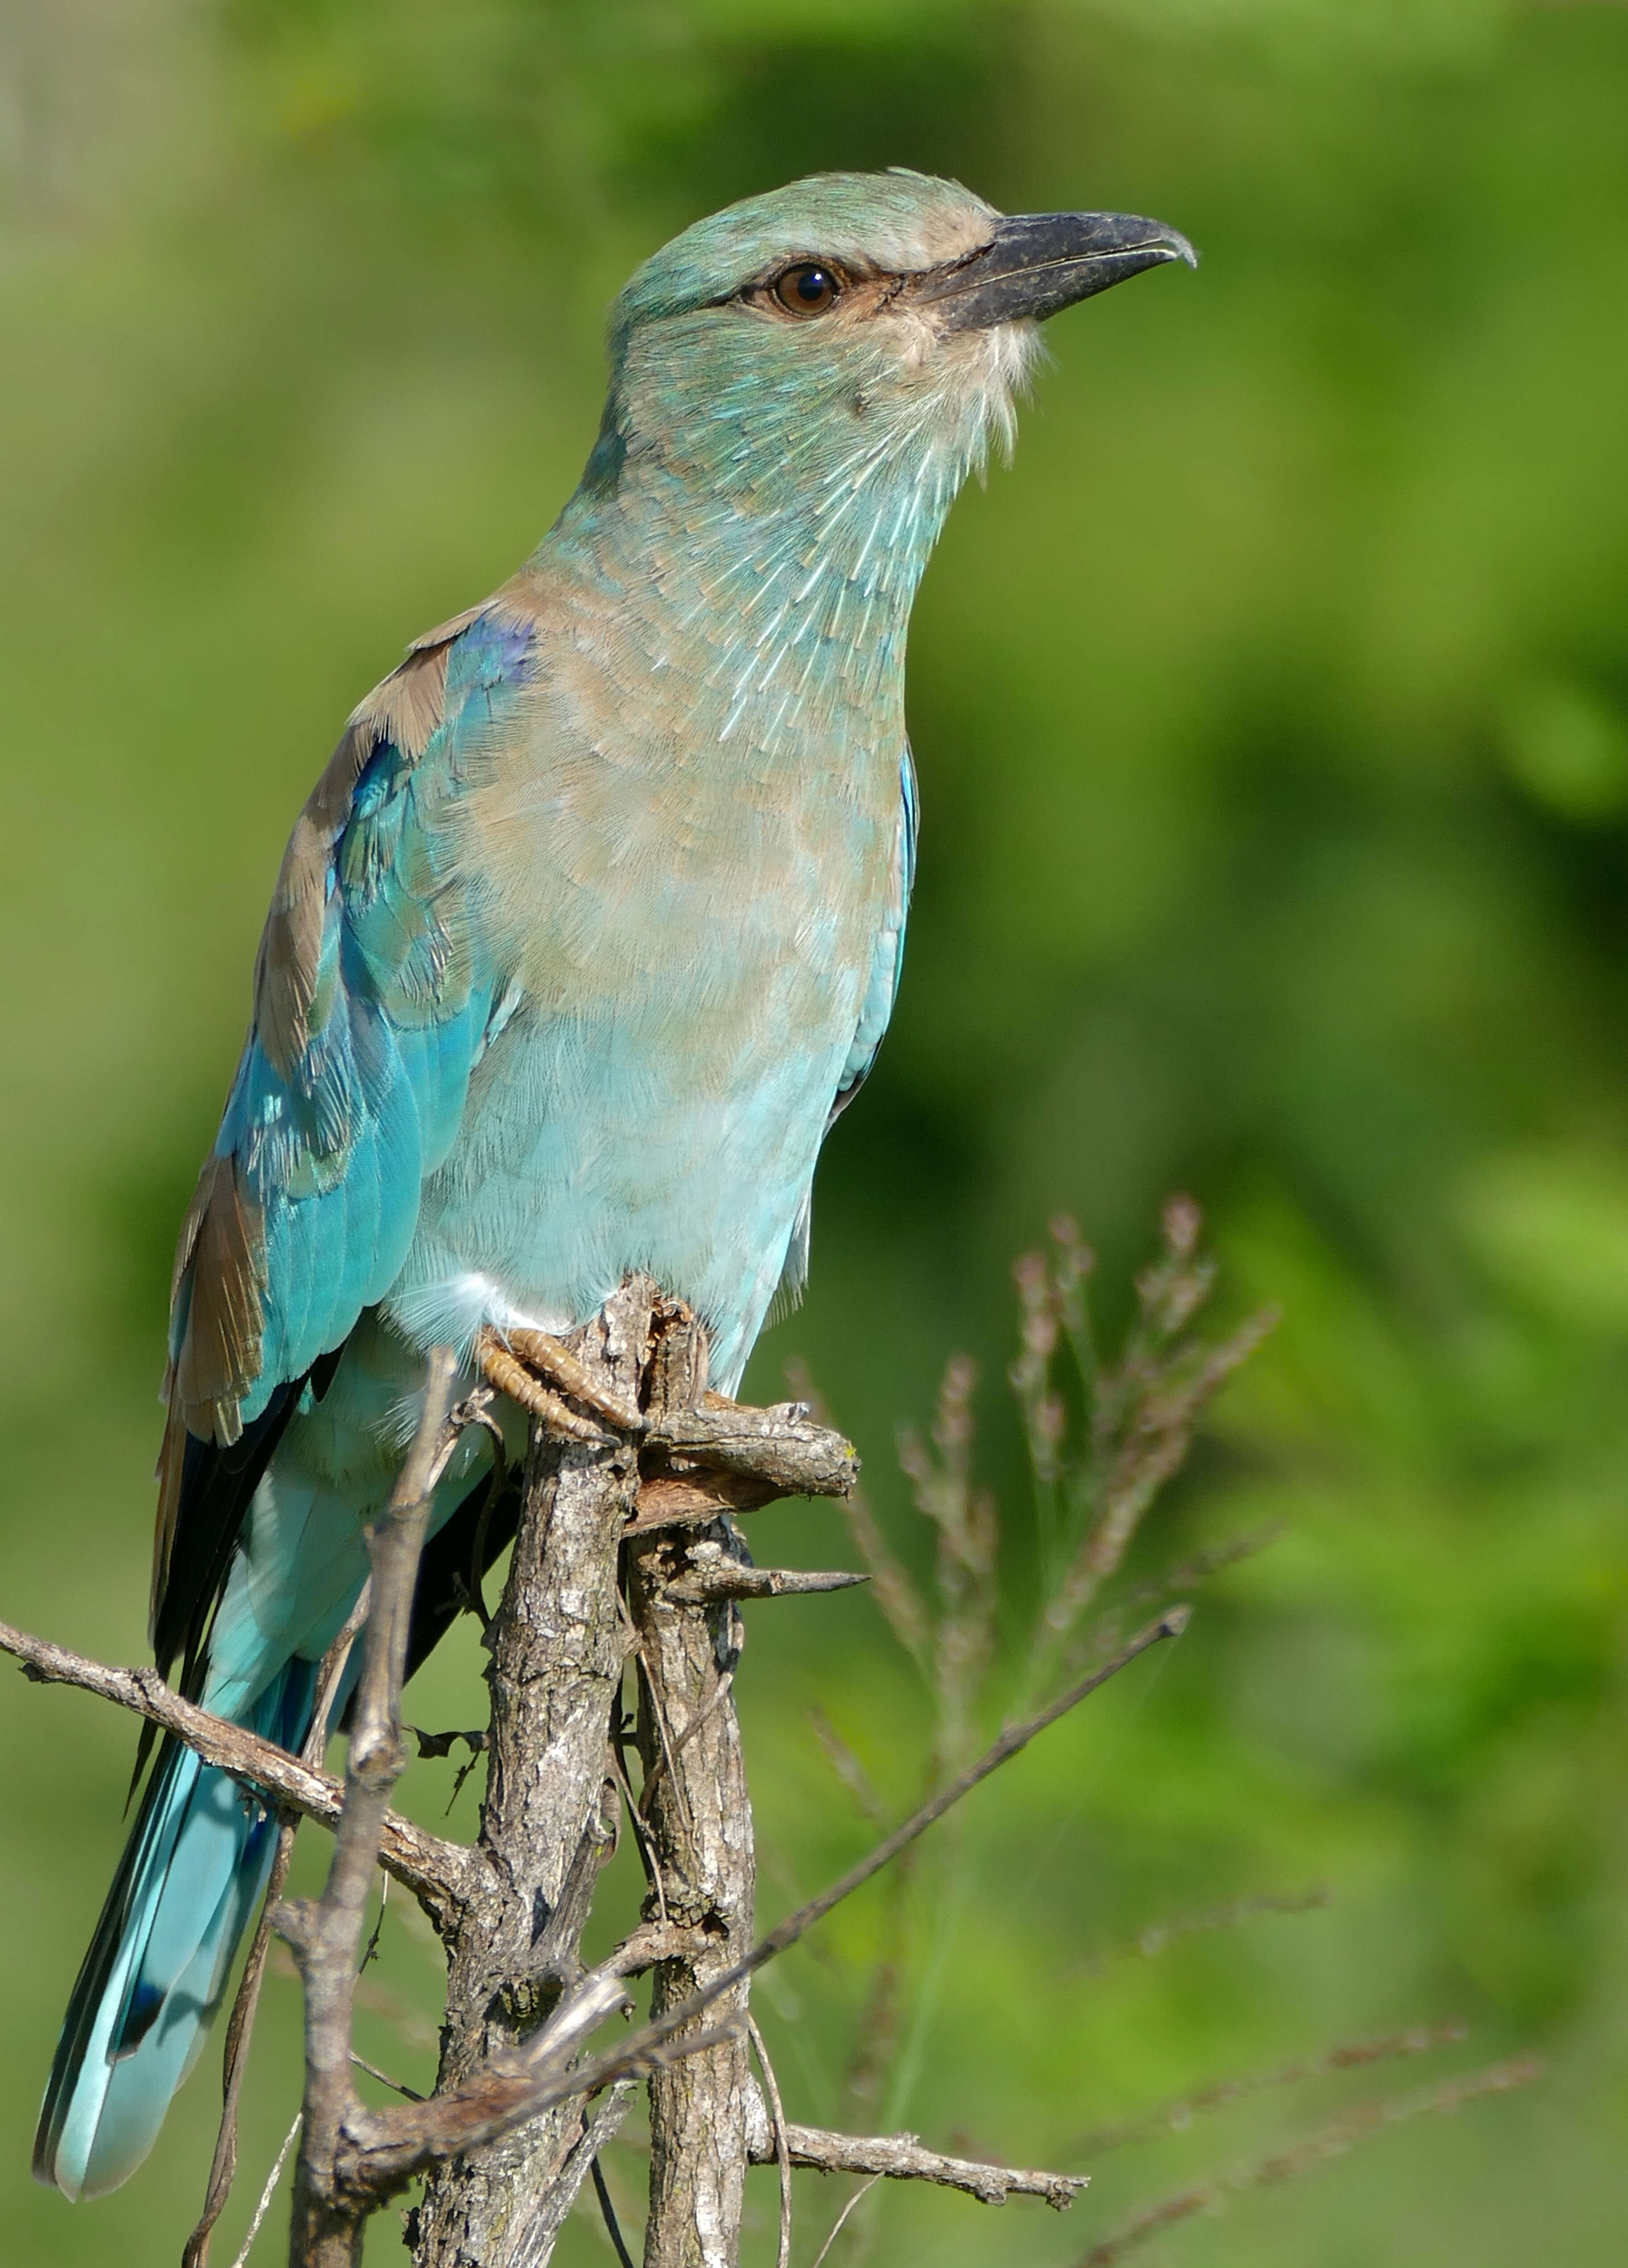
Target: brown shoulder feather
(405,710)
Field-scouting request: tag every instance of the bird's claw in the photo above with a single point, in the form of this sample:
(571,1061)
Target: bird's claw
(518,1362)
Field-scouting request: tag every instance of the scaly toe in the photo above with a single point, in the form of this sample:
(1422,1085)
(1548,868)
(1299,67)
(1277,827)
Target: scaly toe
(540,1351)
(511,1376)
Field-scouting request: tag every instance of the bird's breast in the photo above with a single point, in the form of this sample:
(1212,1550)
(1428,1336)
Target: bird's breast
(685,925)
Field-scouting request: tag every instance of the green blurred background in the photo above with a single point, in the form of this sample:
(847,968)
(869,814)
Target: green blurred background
(1272,721)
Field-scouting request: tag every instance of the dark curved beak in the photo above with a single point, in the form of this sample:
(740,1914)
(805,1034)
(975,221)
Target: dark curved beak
(1037,263)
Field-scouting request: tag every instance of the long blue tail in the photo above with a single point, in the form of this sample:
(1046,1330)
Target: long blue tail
(193,1871)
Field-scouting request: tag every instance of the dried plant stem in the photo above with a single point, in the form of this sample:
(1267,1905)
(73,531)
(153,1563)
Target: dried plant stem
(263,2204)
(1158,1936)
(1174,2117)
(325,1935)
(1330,2141)
(841,2220)
(778,2137)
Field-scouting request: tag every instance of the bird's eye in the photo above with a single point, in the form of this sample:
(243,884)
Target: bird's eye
(806,290)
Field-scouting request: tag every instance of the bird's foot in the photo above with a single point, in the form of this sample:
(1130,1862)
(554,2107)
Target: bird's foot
(535,1370)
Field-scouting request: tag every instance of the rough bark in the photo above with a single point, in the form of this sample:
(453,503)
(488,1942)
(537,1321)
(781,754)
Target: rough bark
(900,2158)
(513,2132)
(699,1820)
(549,1822)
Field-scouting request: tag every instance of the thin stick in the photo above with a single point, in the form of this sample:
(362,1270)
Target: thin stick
(384,2079)
(860,2195)
(608,2214)
(241,2025)
(240,2031)
(401,2143)
(641,1826)
(1174,2117)
(664,1735)
(900,2158)
(325,1935)
(1330,2141)
(269,2192)
(783,2153)
(440,1875)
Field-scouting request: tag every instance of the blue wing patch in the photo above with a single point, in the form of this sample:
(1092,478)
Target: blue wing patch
(372,1001)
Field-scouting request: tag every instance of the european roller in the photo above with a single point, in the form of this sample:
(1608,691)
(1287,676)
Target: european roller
(587,933)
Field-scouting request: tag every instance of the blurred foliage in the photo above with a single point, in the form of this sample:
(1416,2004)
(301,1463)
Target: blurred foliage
(1272,718)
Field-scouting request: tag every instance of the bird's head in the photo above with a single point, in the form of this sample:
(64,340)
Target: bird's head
(846,326)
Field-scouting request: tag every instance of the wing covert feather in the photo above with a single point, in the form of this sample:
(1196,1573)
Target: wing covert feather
(370,999)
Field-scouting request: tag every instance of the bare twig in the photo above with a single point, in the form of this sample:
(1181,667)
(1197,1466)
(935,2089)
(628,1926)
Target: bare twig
(841,2221)
(441,1876)
(240,2031)
(710,1583)
(401,2142)
(325,1933)
(1149,1942)
(270,2189)
(847,1765)
(407,2094)
(900,2158)
(608,2214)
(781,1446)
(1176,2117)
(1330,2141)
(648,1858)
(897,1596)
(778,2139)
(581,2159)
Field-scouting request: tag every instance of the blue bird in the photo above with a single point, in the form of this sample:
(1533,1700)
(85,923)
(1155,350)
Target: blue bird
(589,929)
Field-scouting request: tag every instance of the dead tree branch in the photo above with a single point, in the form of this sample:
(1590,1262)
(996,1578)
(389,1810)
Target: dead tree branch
(547,1824)
(902,2158)
(441,1876)
(403,2142)
(698,1817)
(509,2136)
